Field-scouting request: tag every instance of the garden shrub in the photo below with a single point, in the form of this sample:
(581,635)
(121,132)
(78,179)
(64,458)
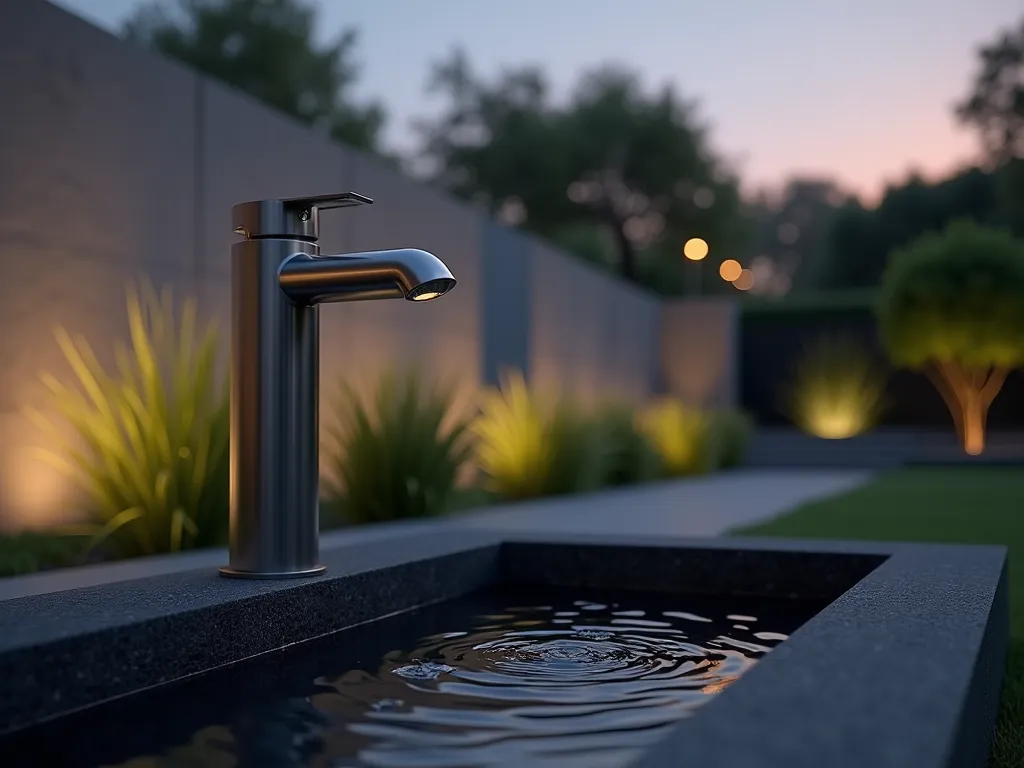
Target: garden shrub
(150,441)
(395,455)
(679,435)
(527,450)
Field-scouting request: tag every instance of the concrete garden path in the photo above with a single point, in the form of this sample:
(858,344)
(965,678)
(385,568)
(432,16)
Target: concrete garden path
(704,506)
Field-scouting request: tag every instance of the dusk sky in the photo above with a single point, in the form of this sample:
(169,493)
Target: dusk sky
(861,90)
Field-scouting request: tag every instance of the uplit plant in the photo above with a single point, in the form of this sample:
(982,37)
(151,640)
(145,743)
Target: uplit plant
(395,455)
(837,390)
(679,435)
(952,305)
(149,443)
(527,450)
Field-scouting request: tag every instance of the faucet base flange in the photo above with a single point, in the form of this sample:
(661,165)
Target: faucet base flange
(232,573)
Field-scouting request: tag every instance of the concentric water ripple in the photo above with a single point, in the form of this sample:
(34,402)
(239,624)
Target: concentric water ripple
(524,686)
(545,680)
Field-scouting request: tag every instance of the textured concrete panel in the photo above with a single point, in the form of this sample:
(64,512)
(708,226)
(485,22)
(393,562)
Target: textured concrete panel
(698,351)
(566,325)
(632,332)
(440,338)
(249,151)
(97,148)
(591,335)
(506,302)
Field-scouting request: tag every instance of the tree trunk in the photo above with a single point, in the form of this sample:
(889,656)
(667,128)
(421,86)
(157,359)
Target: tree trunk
(974,415)
(627,255)
(968,395)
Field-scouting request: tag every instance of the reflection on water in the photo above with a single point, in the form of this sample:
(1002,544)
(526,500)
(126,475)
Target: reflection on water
(576,683)
(524,690)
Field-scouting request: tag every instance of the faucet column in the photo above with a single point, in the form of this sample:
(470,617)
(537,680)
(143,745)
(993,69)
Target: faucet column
(274,411)
(278,279)
(275,362)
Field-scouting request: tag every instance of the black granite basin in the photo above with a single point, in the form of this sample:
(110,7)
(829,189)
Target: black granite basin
(500,677)
(468,649)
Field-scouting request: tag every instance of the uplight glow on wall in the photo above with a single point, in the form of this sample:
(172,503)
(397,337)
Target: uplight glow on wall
(36,494)
(837,391)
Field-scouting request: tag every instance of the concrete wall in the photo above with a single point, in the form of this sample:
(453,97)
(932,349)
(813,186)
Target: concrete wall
(699,339)
(590,335)
(507,302)
(116,163)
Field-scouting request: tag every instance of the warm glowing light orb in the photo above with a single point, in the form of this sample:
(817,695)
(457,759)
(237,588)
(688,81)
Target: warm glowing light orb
(730,270)
(695,249)
(744,281)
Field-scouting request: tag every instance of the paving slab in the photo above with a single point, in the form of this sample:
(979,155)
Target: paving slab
(701,506)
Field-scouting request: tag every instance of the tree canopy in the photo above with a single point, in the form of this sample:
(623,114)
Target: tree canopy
(616,173)
(266,48)
(995,109)
(958,296)
(952,304)
(860,239)
(995,105)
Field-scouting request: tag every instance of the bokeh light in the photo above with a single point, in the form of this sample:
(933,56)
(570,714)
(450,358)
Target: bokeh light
(788,233)
(695,249)
(730,270)
(704,198)
(745,281)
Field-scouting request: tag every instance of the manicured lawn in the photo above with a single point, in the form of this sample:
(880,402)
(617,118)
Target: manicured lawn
(960,505)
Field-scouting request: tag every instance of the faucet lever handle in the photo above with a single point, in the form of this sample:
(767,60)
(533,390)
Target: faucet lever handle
(339,200)
(296,217)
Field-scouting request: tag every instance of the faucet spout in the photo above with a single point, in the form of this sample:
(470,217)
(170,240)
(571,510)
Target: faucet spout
(405,273)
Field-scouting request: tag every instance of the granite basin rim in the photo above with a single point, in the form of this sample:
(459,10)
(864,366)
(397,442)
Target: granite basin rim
(903,667)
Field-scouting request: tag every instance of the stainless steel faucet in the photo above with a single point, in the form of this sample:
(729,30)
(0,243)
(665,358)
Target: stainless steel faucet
(278,279)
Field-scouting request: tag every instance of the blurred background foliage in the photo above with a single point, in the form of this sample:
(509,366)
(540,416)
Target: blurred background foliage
(617,174)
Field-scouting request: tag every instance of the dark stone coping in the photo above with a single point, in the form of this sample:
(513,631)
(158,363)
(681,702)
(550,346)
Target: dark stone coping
(903,668)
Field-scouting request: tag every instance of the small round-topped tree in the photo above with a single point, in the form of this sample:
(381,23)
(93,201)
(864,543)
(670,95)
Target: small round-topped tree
(952,305)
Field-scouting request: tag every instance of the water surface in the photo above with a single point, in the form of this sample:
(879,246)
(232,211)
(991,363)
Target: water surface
(519,679)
